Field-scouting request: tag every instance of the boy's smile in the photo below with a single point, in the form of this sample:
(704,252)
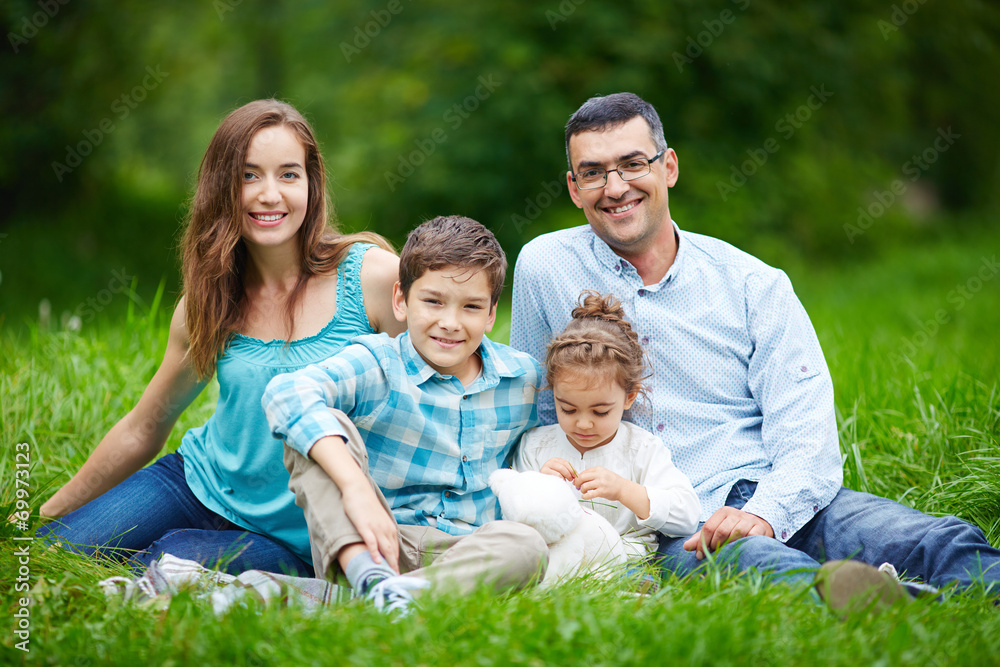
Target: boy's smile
(447,313)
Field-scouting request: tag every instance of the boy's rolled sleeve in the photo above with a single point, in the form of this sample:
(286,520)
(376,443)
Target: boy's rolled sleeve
(298,404)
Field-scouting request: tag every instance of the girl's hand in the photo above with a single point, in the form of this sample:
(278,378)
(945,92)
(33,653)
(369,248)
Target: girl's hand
(560,468)
(600,482)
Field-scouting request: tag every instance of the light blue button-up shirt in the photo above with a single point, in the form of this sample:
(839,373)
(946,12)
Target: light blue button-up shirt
(740,388)
(432,443)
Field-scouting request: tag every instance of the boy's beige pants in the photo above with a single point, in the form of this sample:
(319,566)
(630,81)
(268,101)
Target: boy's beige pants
(501,554)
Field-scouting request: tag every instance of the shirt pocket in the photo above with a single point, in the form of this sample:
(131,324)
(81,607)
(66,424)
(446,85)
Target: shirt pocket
(493,450)
(498,443)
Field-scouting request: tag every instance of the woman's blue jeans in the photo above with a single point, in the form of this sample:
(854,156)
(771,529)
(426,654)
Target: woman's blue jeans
(154,512)
(940,551)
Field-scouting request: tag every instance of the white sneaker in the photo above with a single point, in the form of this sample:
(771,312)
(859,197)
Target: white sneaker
(889,569)
(394,595)
(914,588)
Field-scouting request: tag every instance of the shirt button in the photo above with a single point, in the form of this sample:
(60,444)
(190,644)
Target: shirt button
(447,494)
(659,427)
(464,459)
(784,534)
(645,340)
(803,369)
(641,292)
(465,398)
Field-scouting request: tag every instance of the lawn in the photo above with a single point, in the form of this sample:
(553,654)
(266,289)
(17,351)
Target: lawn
(910,337)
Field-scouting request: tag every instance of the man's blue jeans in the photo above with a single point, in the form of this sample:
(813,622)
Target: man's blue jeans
(936,550)
(154,512)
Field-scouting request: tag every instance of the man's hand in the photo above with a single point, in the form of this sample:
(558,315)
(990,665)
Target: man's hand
(560,468)
(373,523)
(727,524)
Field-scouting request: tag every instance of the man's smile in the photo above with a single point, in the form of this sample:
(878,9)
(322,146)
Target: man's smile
(622,210)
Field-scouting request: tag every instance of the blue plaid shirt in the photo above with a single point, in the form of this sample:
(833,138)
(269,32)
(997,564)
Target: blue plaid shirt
(432,443)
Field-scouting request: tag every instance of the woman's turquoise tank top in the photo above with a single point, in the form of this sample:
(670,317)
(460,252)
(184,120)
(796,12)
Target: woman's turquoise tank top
(232,463)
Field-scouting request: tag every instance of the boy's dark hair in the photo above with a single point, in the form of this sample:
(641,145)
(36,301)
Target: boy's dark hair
(452,240)
(600,113)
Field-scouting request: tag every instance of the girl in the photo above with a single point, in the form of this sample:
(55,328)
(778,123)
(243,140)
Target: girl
(595,368)
(269,287)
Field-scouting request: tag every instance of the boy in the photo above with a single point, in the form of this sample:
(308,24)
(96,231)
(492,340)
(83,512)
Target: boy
(438,409)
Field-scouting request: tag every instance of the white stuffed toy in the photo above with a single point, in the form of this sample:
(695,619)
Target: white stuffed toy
(580,540)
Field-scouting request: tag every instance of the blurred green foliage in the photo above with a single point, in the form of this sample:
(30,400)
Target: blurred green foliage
(427,108)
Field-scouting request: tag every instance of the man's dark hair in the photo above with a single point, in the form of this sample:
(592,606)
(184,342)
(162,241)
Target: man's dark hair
(456,241)
(600,113)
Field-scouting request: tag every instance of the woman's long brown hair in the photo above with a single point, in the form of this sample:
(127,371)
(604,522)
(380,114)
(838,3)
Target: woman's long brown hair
(213,253)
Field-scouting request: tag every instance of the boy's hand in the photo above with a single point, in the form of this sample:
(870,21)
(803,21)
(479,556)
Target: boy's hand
(600,482)
(374,525)
(560,468)
(373,522)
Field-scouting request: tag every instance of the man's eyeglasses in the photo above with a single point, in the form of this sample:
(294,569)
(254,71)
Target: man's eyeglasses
(595,177)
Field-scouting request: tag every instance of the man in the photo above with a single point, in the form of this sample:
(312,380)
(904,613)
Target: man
(740,389)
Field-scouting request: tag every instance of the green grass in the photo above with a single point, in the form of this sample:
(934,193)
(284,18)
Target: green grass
(919,423)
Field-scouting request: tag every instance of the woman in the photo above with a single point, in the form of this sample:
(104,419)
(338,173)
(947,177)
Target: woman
(269,287)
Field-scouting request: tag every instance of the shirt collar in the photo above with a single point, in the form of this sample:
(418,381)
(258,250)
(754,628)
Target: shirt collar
(606,256)
(682,252)
(498,362)
(415,366)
